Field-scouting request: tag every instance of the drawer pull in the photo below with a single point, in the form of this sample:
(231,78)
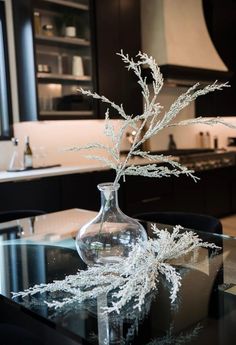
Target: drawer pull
(144,201)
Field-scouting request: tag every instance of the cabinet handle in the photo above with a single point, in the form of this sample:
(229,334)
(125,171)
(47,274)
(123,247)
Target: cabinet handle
(144,201)
(27,179)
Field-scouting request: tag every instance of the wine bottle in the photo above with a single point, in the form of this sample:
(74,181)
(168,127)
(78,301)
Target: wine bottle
(28,155)
(171,144)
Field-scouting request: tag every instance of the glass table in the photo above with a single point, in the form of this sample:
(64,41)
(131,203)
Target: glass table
(204,312)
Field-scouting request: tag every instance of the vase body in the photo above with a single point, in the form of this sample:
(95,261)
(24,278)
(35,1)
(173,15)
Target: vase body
(108,237)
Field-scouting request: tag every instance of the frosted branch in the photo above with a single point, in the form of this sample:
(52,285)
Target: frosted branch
(132,278)
(150,122)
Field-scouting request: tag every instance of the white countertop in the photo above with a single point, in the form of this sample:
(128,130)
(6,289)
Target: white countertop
(65,170)
(46,172)
(6,176)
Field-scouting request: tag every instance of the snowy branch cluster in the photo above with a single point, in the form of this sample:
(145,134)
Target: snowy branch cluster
(148,124)
(130,280)
(180,339)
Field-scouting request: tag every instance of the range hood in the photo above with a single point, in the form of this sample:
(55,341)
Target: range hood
(174,32)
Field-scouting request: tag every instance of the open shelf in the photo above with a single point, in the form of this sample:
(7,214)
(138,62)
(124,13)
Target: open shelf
(58,83)
(62,77)
(62,40)
(71,4)
(66,113)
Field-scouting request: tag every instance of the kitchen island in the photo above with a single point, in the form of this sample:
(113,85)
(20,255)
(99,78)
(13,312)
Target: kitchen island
(66,187)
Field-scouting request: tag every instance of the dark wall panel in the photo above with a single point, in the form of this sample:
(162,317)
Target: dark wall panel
(118,27)
(24,46)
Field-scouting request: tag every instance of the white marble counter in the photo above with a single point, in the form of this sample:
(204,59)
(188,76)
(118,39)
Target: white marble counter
(39,173)
(56,171)
(82,168)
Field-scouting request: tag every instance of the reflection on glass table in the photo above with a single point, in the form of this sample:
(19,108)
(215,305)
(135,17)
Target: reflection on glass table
(204,312)
(56,228)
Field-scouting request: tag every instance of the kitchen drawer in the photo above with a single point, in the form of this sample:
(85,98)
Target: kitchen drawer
(218,189)
(80,190)
(188,196)
(142,188)
(38,194)
(154,204)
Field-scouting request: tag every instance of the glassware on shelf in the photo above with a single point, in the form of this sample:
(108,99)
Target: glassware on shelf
(16,162)
(46,103)
(70,24)
(48,30)
(43,68)
(110,236)
(70,31)
(77,66)
(63,58)
(42,156)
(37,23)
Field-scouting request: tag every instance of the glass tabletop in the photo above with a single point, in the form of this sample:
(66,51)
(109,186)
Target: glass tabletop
(204,312)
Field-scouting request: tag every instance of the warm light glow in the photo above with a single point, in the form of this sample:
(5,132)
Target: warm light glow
(54,87)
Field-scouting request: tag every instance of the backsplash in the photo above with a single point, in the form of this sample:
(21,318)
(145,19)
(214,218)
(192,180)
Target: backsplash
(50,138)
(6,149)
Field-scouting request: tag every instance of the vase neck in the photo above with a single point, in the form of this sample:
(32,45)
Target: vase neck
(109,196)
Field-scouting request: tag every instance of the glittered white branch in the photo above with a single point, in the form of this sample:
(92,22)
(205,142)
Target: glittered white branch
(147,124)
(130,280)
(185,337)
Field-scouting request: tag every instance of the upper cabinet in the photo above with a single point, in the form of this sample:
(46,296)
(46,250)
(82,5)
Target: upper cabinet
(62,45)
(118,27)
(64,59)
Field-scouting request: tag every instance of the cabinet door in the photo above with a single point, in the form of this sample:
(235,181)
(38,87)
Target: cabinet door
(118,27)
(218,192)
(58,61)
(64,61)
(80,190)
(233,189)
(42,194)
(188,196)
(211,195)
(143,194)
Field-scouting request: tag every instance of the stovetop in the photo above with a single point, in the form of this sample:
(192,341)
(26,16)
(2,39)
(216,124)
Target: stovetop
(208,160)
(200,158)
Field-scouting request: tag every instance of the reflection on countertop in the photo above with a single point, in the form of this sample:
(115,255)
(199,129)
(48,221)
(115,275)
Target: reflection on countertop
(51,227)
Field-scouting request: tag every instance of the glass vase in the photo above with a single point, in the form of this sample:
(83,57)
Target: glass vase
(108,237)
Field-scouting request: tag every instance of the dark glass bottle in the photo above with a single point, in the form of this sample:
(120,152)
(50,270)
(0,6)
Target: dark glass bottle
(28,155)
(171,144)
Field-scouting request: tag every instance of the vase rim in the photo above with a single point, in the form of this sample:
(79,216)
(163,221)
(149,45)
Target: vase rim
(108,185)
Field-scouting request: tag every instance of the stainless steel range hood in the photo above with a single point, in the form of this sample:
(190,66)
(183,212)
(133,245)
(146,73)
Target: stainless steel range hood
(175,33)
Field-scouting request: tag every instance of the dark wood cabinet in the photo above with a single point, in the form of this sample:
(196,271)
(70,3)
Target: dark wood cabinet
(143,194)
(210,195)
(41,194)
(104,27)
(118,27)
(217,189)
(214,194)
(233,190)
(80,190)
(188,196)
(220,20)
(63,41)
